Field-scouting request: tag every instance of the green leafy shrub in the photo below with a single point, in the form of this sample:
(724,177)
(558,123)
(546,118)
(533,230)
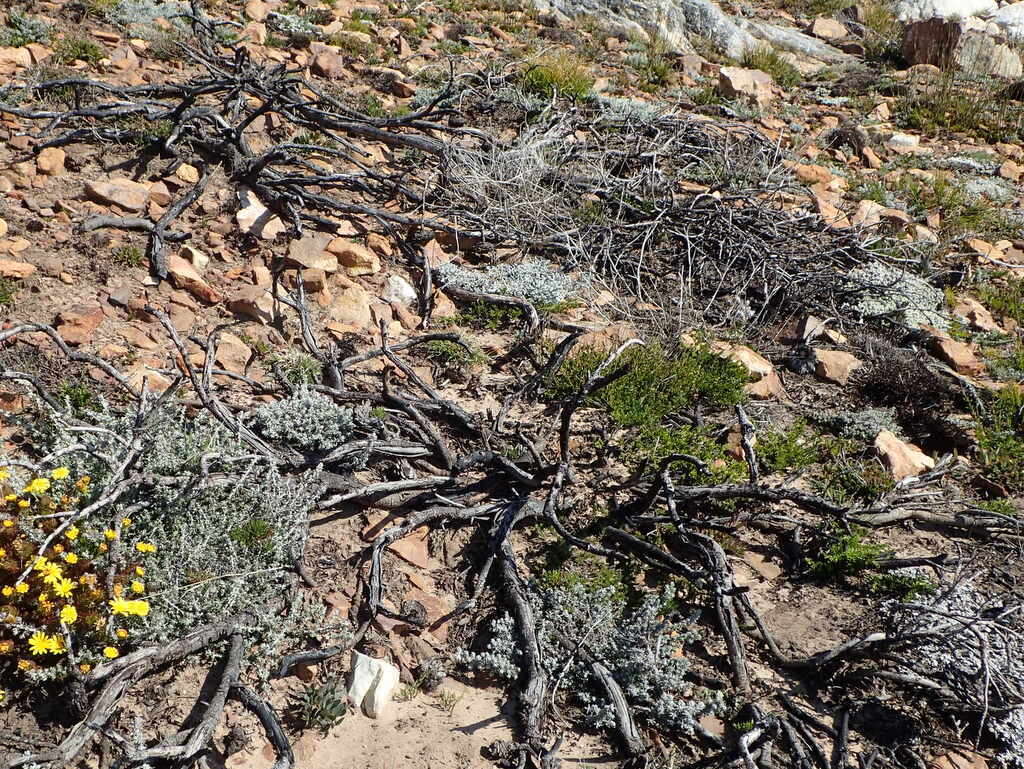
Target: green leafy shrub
(561,74)
(767,59)
(127,256)
(846,555)
(657,385)
(8,292)
(72,48)
(848,482)
(299,369)
(484,315)
(321,706)
(905,587)
(21,30)
(452,354)
(790,449)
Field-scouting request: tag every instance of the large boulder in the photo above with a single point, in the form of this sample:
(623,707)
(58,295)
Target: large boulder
(917,10)
(1010,19)
(795,41)
(967,44)
(749,85)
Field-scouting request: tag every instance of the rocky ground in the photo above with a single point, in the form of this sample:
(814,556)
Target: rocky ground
(573,312)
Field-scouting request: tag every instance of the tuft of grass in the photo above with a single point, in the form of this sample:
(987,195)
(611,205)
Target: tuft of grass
(8,292)
(78,395)
(1006,298)
(452,354)
(127,256)
(958,103)
(72,48)
(651,60)
(816,7)
(298,368)
(767,59)
(882,32)
(100,8)
(1000,437)
(255,534)
(961,216)
(846,555)
(848,481)
(559,74)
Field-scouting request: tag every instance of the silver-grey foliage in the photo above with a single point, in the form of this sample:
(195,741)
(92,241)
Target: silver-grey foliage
(883,290)
(140,16)
(638,646)
(21,30)
(534,280)
(305,420)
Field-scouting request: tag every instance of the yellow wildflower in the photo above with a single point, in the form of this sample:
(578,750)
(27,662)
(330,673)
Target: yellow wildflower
(72,532)
(10,497)
(24,665)
(37,486)
(145,547)
(138,587)
(71,558)
(57,645)
(64,588)
(23,503)
(58,549)
(118,590)
(140,571)
(3,473)
(126,521)
(103,547)
(39,643)
(83,483)
(110,652)
(6,647)
(7,591)
(22,588)
(121,633)
(85,667)
(69,615)
(59,473)
(43,597)
(2,552)
(51,573)
(110,534)
(136,608)
(3,695)
(8,523)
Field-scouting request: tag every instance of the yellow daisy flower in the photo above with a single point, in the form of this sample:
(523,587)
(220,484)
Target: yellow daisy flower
(145,547)
(72,532)
(39,643)
(140,571)
(138,587)
(60,473)
(64,588)
(126,521)
(6,647)
(110,534)
(22,588)
(10,497)
(121,633)
(71,558)
(7,591)
(110,652)
(8,523)
(37,486)
(136,608)
(69,615)
(85,667)
(23,503)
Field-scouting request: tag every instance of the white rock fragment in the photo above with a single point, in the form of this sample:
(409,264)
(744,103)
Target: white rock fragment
(399,290)
(373,683)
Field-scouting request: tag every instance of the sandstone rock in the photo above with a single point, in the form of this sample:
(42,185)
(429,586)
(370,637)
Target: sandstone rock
(313,281)
(900,458)
(750,85)
(976,314)
(186,277)
(835,365)
(78,324)
(868,214)
(812,174)
(124,193)
(831,215)
(17,56)
(352,306)
(827,29)
(254,218)
(356,258)
(257,10)
(141,374)
(309,253)
(232,353)
(809,54)
(187,173)
(903,144)
(10,268)
(957,354)
(372,684)
(766,381)
(252,302)
(199,260)
(3,228)
(960,43)
(329,64)
(1011,171)
(50,161)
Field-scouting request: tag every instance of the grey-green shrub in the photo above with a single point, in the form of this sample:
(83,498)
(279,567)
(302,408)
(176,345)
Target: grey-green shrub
(21,30)
(533,279)
(305,420)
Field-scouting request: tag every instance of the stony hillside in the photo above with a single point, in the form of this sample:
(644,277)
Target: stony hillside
(469,383)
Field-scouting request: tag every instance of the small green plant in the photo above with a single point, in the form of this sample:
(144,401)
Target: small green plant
(1004,298)
(767,59)
(846,555)
(905,587)
(1001,506)
(452,47)
(255,534)
(71,48)
(78,395)
(127,256)
(321,706)
(21,30)
(8,292)
(561,74)
(849,482)
(360,21)
(1000,437)
(451,354)
(100,8)
(882,31)
(962,103)
(651,60)
(816,7)
(298,368)
(315,139)
(447,700)
(492,317)
(371,105)
(791,449)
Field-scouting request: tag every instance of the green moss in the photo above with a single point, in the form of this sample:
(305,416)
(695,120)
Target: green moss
(846,555)
(72,48)
(767,59)
(561,74)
